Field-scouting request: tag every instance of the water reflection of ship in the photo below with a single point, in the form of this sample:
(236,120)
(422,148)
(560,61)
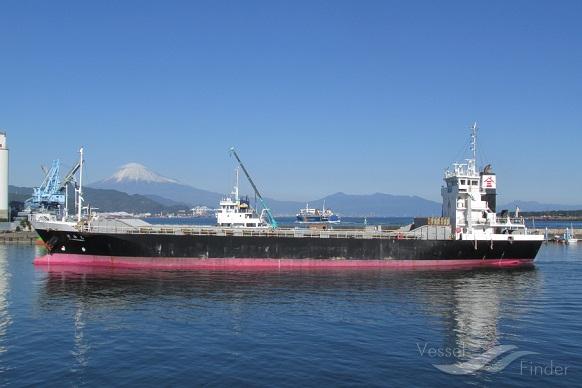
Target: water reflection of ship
(478,303)
(469,303)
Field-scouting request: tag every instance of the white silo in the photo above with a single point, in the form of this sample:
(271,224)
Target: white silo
(3,178)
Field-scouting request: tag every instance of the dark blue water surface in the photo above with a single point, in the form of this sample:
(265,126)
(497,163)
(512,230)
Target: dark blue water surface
(77,326)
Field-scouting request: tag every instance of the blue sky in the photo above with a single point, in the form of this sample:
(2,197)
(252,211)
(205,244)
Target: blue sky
(318,96)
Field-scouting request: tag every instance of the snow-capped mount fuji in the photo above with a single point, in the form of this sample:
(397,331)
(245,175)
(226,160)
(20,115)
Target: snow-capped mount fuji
(138,172)
(135,178)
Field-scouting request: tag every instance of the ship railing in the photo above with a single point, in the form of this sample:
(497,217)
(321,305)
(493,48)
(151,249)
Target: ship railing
(509,222)
(263,232)
(433,232)
(507,219)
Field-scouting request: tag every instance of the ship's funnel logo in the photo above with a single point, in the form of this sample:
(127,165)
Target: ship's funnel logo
(489,182)
(485,361)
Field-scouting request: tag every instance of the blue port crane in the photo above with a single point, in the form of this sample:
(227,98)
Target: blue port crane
(50,194)
(270,217)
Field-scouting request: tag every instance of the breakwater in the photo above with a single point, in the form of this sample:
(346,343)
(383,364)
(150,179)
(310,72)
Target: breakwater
(555,232)
(18,237)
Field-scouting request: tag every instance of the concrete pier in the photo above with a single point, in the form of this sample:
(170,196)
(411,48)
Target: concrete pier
(555,232)
(18,238)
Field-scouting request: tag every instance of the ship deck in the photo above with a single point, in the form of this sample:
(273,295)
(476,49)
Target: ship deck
(427,232)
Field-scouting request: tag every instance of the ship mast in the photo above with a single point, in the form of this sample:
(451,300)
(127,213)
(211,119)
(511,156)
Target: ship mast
(80,189)
(236,186)
(474,140)
(66,210)
(472,163)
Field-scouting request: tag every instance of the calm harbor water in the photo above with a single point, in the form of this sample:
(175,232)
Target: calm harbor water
(82,327)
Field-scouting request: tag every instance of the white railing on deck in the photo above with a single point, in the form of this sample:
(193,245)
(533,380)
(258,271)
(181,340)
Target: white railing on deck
(279,232)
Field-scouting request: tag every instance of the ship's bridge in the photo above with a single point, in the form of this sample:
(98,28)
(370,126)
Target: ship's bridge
(469,201)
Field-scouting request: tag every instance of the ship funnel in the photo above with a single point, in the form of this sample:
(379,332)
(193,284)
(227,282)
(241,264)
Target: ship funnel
(489,185)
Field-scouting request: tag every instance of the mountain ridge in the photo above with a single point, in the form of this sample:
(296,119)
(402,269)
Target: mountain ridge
(140,189)
(535,206)
(377,204)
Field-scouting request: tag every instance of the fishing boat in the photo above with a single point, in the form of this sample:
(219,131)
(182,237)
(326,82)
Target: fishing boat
(315,216)
(569,237)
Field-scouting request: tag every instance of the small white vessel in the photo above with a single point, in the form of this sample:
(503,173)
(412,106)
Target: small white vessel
(569,237)
(237,212)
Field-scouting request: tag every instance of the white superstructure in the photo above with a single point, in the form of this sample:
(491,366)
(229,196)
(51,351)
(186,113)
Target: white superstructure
(469,200)
(4,216)
(237,212)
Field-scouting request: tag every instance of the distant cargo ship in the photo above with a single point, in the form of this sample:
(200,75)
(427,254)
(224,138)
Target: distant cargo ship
(315,216)
(469,233)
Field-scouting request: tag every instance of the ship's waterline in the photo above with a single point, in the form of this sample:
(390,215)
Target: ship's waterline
(230,263)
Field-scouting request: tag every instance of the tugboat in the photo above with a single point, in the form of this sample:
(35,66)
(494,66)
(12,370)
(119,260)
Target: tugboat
(469,233)
(315,216)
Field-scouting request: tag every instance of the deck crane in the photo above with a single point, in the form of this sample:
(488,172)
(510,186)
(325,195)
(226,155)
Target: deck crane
(271,219)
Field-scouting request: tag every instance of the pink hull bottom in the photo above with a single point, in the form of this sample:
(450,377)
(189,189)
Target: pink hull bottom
(195,263)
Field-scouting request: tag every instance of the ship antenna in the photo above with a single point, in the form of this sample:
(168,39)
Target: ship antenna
(474,140)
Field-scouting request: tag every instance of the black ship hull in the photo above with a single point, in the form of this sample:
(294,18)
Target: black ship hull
(195,251)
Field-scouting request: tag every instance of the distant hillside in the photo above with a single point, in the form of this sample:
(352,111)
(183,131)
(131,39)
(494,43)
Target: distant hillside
(350,205)
(533,206)
(347,205)
(113,201)
(559,214)
(19,194)
(165,201)
(104,200)
(379,204)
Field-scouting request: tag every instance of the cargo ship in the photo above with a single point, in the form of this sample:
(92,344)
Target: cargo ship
(468,233)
